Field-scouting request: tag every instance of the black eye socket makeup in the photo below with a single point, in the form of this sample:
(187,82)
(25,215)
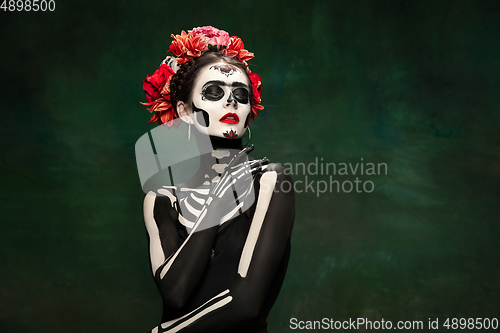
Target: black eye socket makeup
(241,95)
(213,93)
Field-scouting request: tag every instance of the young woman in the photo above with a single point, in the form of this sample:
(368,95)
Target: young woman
(219,242)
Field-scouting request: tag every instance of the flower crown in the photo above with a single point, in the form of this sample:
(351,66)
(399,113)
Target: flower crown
(185,47)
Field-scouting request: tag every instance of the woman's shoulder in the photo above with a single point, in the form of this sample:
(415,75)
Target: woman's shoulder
(164,193)
(273,167)
(282,173)
(278,168)
(161,200)
(278,178)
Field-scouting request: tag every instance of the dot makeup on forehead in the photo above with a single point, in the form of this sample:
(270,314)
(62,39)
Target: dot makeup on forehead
(225,69)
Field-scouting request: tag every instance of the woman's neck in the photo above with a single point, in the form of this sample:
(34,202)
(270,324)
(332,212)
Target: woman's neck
(223,143)
(212,165)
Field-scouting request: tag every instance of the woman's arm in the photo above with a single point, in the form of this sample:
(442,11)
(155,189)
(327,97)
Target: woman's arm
(175,284)
(263,252)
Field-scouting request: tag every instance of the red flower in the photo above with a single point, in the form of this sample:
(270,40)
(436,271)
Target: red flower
(178,47)
(154,84)
(257,94)
(187,46)
(236,50)
(255,110)
(164,113)
(157,88)
(256,86)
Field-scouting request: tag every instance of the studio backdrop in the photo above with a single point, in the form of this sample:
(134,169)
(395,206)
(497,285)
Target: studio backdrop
(386,114)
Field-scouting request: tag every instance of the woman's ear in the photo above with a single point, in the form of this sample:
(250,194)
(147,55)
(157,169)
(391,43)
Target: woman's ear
(183,110)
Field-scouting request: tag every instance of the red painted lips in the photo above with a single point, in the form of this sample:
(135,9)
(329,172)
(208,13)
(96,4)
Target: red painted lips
(230,118)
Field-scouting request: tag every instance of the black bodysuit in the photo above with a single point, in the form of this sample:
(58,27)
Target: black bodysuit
(203,291)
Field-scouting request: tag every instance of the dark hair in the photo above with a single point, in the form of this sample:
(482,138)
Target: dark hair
(181,86)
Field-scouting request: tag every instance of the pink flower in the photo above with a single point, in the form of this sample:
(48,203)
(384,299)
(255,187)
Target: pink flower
(212,35)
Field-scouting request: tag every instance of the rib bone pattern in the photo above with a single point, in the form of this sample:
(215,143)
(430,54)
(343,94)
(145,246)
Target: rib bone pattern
(191,201)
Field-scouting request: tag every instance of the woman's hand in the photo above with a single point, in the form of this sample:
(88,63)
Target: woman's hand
(233,190)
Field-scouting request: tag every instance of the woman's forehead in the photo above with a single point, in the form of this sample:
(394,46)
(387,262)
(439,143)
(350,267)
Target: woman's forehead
(221,72)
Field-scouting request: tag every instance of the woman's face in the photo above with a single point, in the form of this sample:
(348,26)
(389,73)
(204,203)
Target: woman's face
(221,101)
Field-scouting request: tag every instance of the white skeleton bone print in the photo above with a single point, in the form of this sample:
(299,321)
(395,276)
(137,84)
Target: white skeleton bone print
(192,204)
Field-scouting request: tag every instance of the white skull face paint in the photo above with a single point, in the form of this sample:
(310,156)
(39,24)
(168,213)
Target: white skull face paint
(221,100)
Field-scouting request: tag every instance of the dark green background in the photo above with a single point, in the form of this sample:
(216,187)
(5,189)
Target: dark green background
(414,84)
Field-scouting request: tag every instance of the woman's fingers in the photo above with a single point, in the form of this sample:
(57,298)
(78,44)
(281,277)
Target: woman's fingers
(239,172)
(256,167)
(242,155)
(248,150)
(261,162)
